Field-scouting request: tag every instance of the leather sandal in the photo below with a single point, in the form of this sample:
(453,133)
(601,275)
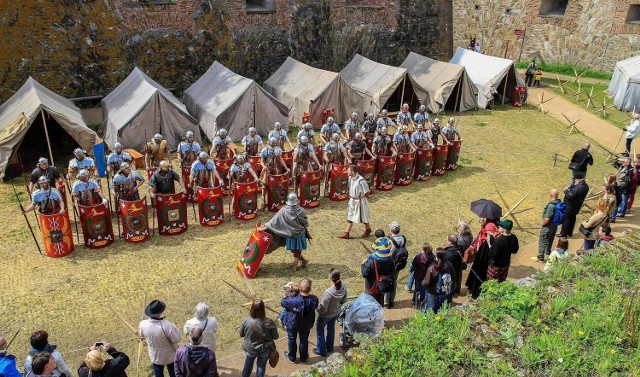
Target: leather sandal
(344,236)
(366,233)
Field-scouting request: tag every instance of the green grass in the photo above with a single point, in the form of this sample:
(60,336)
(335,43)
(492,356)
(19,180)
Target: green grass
(581,320)
(568,69)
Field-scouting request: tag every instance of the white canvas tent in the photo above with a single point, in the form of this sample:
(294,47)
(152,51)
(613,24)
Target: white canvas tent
(490,74)
(224,99)
(303,88)
(624,86)
(445,84)
(139,108)
(372,86)
(26,115)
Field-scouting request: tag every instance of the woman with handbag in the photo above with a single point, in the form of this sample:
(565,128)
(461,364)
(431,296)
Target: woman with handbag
(588,226)
(259,333)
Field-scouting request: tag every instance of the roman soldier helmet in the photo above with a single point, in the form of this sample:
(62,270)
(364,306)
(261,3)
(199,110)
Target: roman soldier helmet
(384,112)
(252,131)
(124,166)
(370,116)
(42,161)
(83,173)
(452,120)
(357,136)
(118,146)
(335,137)
(383,130)
(188,134)
(240,159)
(157,137)
(423,108)
(304,140)
(273,142)
(354,115)
(78,152)
(436,121)
(222,132)
(43,179)
(277,126)
(308,126)
(292,199)
(330,120)
(203,155)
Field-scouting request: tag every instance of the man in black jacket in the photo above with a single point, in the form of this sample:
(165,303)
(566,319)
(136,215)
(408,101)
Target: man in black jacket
(452,255)
(399,255)
(574,196)
(581,158)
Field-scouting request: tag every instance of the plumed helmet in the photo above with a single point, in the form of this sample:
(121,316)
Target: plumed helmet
(203,155)
(304,139)
(308,126)
(42,161)
(252,130)
(78,152)
(189,134)
(292,199)
(83,173)
(157,137)
(43,179)
(117,146)
(335,137)
(240,158)
(125,165)
(222,132)
(330,120)
(357,136)
(277,126)
(437,121)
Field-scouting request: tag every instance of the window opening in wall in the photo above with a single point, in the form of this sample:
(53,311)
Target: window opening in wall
(633,15)
(261,6)
(476,7)
(553,8)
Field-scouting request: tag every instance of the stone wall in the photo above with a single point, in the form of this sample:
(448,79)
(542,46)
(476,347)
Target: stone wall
(86,48)
(590,33)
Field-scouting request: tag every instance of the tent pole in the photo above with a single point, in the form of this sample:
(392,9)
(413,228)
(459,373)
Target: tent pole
(253,111)
(46,134)
(404,81)
(506,81)
(459,96)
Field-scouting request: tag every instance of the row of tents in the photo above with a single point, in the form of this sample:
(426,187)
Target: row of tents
(35,118)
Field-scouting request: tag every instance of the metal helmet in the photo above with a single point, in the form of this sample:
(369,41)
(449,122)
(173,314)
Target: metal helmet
(277,126)
(78,152)
(354,115)
(383,130)
(164,164)
(252,131)
(42,161)
(335,137)
(157,137)
(240,159)
(125,165)
(222,132)
(83,173)
(420,126)
(436,121)
(304,139)
(423,108)
(308,126)
(292,199)
(370,115)
(117,146)
(330,120)
(357,136)
(188,134)
(384,112)
(273,142)
(203,155)
(43,179)
(452,120)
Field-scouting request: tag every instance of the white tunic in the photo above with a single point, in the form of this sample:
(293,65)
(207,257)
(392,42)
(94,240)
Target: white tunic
(358,210)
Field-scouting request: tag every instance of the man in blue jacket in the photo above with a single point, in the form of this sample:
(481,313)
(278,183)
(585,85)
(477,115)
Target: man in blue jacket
(299,319)
(7,362)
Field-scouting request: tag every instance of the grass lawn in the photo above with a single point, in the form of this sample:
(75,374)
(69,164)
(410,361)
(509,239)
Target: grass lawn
(507,149)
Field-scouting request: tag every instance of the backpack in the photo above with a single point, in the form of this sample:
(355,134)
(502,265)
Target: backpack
(444,286)
(559,213)
(400,254)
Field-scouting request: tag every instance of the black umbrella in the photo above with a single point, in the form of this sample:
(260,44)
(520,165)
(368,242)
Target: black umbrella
(486,208)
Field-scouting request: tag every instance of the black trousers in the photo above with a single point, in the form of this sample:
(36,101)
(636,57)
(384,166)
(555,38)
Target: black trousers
(567,225)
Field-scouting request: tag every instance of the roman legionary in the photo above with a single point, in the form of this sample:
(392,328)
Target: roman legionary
(352,126)
(222,148)
(126,183)
(328,129)
(450,131)
(404,117)
(241,171)
(422,116)
(357,148)
(421,139)
(117,157)
(203,172)
(280,135)
(79,162)
(309,133)
(271,159)
(383,144)
(334,153)
(156,151)
(43,170)
(303,157)
(188,150)
(436,131)
(384,121)
(369,128)
(47,199)
(402,141)
(164,179)
(252,143)
(87,191)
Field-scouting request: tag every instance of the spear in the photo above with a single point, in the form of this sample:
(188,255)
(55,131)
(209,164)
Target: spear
(26,218)
(75,211)
(26,184)
(12,339)
(365,247)
(248,296)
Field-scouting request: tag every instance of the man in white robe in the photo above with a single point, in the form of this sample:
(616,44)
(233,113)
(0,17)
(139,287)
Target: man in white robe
(358,209)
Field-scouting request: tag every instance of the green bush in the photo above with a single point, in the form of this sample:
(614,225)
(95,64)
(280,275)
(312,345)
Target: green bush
(568,69)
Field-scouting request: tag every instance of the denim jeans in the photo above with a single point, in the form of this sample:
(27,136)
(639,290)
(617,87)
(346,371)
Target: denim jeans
(418,294)
(410,281)
(429,301)
(158,370)
(324,343)
(260,368)
(292,335)
(622,208)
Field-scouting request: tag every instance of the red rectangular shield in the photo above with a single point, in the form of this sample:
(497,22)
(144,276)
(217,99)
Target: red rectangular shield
(223,166)
(245,200)
(287,157)
(210,206)
(310,189)
(385,173)
(186,178)
(171,210)
(366,168)
(56,232)
(135,220)
(453,155)
(253,253)
(277,191)
(423,164)
(254,161)
(440,160)
(339,183)
(96,225)
(404,169)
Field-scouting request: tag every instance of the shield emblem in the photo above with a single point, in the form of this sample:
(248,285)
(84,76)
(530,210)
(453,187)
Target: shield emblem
(56,233)
(210,206)
(423,164)
(96,226)
(135,220)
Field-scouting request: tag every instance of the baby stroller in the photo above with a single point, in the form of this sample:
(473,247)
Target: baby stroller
(364,316)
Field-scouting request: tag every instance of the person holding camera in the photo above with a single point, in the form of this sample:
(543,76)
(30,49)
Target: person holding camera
(97,365)
(358,207)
